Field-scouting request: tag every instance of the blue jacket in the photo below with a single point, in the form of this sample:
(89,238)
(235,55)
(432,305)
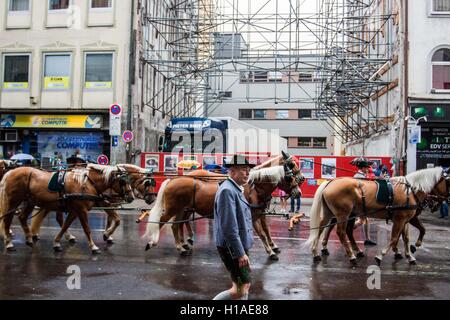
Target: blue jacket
(232,220)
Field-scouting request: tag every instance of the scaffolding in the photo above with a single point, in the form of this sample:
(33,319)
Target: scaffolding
(357,49)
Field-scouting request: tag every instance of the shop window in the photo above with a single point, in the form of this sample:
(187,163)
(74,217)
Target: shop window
(245,113)
(441,69)
(441,6)
(101,4)
(19,5)
(58,5)
(99,68)
(319,142)
(16,71)
(259,114)
(57,71)
(282,114)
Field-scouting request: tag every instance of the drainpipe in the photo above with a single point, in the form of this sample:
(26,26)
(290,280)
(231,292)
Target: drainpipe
(406,83)
(131,79)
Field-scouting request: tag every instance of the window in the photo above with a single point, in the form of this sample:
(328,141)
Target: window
(56,71)
(225,94)
(16,71)
(259,114)
(304,113)
(441,69)
(19,5)
(100,4)
(319,142)
(275,76)
(282,114)
(244,77)
(99,70)
(260,76)
(440,6)
(245,113)
(304,142)
(305,76)
(58,4)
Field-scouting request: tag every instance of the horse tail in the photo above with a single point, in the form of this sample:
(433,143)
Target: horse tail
(155,214)
(316,215)
(3,202)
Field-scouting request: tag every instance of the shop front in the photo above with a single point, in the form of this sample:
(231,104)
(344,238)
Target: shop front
(45,136)
(433,149)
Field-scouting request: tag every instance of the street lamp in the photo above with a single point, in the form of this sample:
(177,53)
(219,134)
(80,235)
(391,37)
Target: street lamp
(416,121)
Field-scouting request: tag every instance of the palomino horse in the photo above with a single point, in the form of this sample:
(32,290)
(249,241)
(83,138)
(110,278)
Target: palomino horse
(141,182)
(197,191)
(82,187)
(342,197)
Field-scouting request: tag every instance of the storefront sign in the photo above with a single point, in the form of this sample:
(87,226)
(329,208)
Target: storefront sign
(434,147)
(51,121)
(56,82)
(15,85)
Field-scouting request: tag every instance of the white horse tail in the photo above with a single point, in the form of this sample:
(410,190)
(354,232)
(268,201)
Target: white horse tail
(316,215)
(155,215)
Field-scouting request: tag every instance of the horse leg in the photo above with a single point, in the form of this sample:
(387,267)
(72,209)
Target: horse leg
(83,216)
(351,238)
(265,227)
(190,239)
(113,223)
(327,215)
(260,232)
(66,225)
(342,232)
(326,237)
(415,221)
(397,228)
(23,217)
(60,219)
(36,223)
(176,226)
(408,253)
(7,221)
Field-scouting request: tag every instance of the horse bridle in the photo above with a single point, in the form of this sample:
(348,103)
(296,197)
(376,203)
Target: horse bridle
(147,181)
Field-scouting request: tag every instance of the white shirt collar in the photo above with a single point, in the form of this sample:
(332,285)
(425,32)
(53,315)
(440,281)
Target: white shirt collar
(235,183)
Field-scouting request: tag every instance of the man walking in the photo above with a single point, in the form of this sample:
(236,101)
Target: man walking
(233,231)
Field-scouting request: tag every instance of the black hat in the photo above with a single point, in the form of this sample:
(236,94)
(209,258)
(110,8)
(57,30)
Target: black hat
(238,160)
(361,162)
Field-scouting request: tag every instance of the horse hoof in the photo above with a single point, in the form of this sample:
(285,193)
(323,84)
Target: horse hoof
(353,262)
(290,229)
(317,258)
(276,250)
(148,247)
(274,257)
(110,241)
(11,249)
(36,238)
(412,248)
(72,240)
(398,256)
(190,241)
(325,252)
(57,249)
(186,247)
(360,254)
(186,253)
(96,251)
(30,244)
(105,238)
(378,261)
(413,263)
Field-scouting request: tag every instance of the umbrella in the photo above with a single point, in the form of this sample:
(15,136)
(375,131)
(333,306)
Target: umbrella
(22,156)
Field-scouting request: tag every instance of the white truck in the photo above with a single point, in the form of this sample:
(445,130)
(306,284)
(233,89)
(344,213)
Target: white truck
(219,135)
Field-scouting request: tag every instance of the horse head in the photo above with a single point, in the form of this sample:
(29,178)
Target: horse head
(293,177)
(146,188)
(122,185)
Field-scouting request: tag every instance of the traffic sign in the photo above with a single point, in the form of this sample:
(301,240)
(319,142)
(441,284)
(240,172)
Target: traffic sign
(115,109)
(102,159)
(127,136)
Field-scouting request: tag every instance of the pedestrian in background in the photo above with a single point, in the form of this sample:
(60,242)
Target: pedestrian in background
(298,197)
(233,229)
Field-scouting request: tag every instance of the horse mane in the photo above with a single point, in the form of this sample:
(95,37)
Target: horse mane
(79,175)
(422,180)
(271,174)
(107,171)
(124,166)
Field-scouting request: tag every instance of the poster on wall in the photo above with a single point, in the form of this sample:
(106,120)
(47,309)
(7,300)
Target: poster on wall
(307,167)
(88,144)
(170,163)
(152,162)
(328,168)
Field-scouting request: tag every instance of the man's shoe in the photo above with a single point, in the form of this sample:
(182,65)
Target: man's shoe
(369,243)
